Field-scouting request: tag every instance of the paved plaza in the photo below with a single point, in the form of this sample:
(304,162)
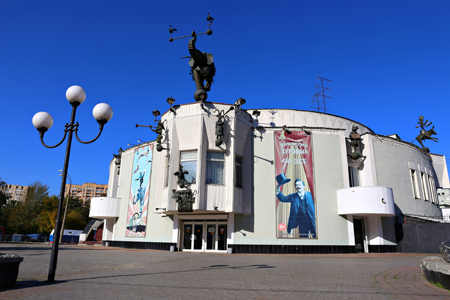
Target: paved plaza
(95,272)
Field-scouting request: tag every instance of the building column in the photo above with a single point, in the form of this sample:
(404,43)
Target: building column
(351,230)
(375,230)
(230,229)
(108,228)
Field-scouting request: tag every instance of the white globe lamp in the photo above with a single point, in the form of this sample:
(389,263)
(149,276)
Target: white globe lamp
(75,94)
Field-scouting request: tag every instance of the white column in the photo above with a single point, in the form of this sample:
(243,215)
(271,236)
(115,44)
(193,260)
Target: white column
(108,228)
(175,229)
(230,229)
(351,230)
(375,228)
(368,175)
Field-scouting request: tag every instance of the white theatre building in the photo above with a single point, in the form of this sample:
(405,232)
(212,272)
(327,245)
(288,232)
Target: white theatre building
(282,181)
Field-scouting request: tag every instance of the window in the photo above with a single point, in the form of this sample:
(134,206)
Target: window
(238,172)
(424,186)
(432,189)
(166,180)
(353,174)
(215,162)
(188,160)
(414,184)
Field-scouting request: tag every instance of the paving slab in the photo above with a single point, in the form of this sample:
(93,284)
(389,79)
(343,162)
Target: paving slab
(95,272)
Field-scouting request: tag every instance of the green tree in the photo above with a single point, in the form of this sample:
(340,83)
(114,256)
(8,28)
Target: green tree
(81,207)
(3,204)
(3,196)
(75,220)
(23,217)
(37,191)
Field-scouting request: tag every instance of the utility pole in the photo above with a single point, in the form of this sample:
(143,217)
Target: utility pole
(321,96)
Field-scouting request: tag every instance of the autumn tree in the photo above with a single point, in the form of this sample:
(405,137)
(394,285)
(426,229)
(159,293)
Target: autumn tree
(47,217)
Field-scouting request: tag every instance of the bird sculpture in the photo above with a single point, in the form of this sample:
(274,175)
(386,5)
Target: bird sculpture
(209,19)
(171,30)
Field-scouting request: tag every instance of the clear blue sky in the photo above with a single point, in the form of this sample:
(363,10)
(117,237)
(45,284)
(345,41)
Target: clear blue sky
(388,60)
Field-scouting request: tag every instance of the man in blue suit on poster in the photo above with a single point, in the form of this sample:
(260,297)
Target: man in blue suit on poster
(303,212)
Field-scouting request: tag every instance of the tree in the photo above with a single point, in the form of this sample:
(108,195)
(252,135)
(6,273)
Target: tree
(23,218)
(3,196)
(3,204)
(47,217)
(75,220)
(81,207)
(37,191)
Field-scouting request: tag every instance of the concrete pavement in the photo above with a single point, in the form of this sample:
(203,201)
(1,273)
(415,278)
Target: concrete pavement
(93,272)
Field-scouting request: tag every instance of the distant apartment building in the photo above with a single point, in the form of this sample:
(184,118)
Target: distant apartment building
(15,192)
(86,191)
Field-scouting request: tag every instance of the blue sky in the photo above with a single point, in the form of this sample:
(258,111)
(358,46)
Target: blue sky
(388,61)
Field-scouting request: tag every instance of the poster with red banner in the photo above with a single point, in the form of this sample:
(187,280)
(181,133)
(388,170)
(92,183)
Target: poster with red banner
(295,201)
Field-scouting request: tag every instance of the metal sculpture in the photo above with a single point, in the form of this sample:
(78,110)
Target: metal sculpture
(355,138)
(201,63)
(219,125)
(425,134)
(184,198)
(180,174)
(158,130)
(118,159)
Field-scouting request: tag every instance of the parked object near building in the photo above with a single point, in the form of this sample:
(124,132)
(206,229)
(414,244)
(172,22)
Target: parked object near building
(17,237)
(36,237)
(69,236)
(334,201)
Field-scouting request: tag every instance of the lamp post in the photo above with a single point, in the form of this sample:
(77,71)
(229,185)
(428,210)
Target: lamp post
(65,210)
(43,121)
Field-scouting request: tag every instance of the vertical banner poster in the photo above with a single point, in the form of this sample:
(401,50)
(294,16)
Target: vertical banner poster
(139,191)
(295,202)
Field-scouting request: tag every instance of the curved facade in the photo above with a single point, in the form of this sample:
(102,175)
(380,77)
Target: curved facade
(279,183)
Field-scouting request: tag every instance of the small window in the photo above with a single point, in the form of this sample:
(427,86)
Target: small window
(215,162)
(426,194)
(353,174)
(414,184)
(166,179)
(238,172)
(432,189)
(189,162)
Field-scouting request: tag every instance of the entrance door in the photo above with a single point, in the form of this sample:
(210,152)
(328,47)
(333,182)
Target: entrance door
(204,236)
(358,227)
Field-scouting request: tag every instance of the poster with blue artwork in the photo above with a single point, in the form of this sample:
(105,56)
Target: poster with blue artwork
(139,191)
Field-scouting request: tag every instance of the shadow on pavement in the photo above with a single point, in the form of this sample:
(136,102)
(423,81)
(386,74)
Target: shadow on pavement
(23,284)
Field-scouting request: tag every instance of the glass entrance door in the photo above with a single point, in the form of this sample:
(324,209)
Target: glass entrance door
(204,236)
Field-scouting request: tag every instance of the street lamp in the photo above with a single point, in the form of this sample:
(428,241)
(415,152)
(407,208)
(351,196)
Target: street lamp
(67,204)
(43,121)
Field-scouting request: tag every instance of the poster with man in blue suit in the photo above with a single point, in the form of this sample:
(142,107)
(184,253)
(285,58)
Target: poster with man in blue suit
(296,208)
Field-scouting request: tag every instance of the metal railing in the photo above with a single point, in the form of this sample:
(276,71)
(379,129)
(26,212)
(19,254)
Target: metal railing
(423,219)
